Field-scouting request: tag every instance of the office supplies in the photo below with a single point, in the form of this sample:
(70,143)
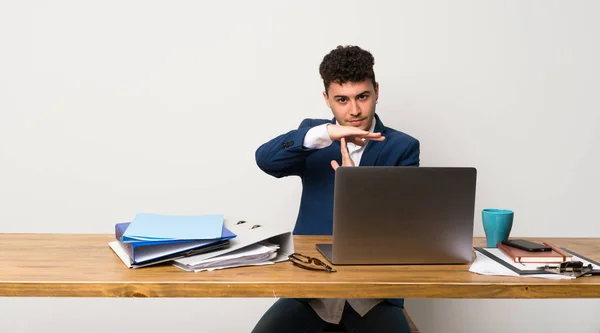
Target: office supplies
(247,234)
(555,255)
(154,227)
(143,251)
(402,215)
(525,269)
(485,265)
(571,268)
(162,257)
(256,254)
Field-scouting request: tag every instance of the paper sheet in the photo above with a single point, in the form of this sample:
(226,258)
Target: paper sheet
(259,263)
(256,254)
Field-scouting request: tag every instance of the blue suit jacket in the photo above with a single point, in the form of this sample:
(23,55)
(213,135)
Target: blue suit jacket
(285,156)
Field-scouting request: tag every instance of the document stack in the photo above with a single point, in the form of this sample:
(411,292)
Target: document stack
(151,239)
(495,261)
(198,243)
(261,253)
(254,244)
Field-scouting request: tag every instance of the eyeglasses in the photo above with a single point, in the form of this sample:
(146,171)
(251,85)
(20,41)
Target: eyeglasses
(311,263)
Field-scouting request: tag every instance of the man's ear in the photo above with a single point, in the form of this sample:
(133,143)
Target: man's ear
(326,99)
(376,91)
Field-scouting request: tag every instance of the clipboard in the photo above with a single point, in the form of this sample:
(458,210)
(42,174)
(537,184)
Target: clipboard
(536,270)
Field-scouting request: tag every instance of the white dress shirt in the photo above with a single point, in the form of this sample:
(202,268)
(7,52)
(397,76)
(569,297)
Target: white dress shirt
(331,309)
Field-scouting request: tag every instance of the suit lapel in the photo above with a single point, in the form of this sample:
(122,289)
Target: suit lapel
(373,147)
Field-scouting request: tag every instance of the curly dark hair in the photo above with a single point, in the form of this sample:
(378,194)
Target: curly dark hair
(347,64)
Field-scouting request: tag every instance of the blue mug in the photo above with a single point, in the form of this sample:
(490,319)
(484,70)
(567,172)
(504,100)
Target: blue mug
(497,224)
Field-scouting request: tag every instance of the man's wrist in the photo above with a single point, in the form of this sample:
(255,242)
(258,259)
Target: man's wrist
(317,137)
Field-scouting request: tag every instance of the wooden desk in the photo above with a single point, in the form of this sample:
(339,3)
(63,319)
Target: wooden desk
(66,265)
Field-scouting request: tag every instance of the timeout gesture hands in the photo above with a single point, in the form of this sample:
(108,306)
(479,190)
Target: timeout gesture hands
(350,134)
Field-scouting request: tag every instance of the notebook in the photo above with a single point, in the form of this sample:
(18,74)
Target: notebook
(543,257)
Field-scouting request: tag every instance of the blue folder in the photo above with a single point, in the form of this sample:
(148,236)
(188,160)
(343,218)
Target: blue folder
(155,227)
(146,251)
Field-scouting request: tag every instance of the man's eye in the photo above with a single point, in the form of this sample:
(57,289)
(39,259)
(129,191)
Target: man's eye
(363,97)
(341,100)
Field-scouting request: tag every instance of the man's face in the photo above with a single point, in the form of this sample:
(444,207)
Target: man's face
(353,103)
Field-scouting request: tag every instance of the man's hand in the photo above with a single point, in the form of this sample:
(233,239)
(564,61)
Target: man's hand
(346,160)
(352,134)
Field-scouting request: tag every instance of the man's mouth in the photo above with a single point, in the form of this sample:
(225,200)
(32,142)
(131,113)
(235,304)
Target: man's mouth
(355,122)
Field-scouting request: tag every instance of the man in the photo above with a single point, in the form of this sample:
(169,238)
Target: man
(355,137)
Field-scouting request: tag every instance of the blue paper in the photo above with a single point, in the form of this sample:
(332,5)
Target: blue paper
(121,227)
(154,227)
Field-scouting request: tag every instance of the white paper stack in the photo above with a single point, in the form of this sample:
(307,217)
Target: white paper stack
(254,244)
(261,253)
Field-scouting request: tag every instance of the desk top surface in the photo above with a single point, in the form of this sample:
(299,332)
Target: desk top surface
(83,265)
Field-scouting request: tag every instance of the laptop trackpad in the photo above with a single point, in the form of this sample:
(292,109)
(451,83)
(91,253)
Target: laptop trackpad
(326,250)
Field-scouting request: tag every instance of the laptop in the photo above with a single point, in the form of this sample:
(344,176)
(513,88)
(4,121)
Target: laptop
(402,215)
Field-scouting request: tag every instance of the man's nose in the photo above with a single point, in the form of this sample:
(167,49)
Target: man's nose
(355,109)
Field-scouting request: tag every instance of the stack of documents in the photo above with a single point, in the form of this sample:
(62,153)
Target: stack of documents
(256,254)
(492,261)
(151,239)
(253,245)
(199,243)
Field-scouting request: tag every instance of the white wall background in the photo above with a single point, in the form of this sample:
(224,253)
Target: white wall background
(110,108)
